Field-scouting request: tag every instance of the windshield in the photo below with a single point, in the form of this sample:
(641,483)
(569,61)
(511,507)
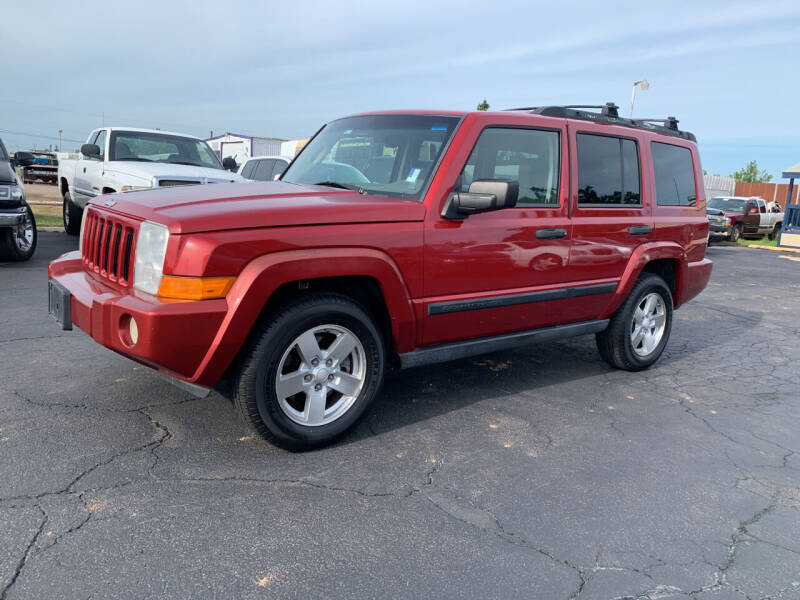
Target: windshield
(3,153)
(727,203)
(143,146)
(389,155)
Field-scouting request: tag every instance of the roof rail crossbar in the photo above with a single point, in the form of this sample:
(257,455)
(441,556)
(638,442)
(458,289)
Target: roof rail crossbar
(609,113)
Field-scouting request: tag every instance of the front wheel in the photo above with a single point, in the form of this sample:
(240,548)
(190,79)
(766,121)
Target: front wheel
(736,232)
(71,215)
(311,373)
(18,243)
(639,330)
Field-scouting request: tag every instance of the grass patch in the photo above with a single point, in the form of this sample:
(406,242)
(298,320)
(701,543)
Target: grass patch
(47,216)
(764,241)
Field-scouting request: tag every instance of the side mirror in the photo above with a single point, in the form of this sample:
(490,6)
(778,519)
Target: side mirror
(91,150)
(276,176)
(229,163)
(484,195)
(24,159)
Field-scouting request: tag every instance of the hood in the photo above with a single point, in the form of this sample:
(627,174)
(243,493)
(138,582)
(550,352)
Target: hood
(216,207)
(714,211)
(7,175)
(147,171)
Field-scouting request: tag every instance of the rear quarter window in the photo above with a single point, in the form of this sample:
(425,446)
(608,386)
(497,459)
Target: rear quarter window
(674,175)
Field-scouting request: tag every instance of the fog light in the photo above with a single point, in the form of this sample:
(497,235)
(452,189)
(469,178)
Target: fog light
(133,331)
(128,330)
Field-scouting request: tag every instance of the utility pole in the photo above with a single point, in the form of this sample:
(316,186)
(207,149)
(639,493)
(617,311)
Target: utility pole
(60,131)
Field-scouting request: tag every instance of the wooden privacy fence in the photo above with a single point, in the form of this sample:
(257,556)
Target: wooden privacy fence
(771,192)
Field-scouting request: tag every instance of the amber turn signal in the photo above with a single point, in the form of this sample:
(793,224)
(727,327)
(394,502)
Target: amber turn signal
(194,288)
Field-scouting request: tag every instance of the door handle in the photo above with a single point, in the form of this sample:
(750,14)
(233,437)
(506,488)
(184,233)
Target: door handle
(551,234)
(640,229)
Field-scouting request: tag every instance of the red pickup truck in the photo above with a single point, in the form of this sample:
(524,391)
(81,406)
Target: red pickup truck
(393,240)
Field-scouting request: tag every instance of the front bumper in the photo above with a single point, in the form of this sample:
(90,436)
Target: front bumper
(11,217)
(174,337)
(719,230)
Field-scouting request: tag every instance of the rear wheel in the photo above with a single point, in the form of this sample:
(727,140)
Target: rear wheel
(18,243)
(775,231)
(71,215)
(639,330)
(311,373)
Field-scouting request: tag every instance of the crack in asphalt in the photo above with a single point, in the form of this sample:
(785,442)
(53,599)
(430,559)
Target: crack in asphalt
(23,561)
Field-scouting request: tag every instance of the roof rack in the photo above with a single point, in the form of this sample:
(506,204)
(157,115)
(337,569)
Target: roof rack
(609,113)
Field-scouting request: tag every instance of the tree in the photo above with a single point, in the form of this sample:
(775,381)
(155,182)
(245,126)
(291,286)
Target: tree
(751,174)
(483,105)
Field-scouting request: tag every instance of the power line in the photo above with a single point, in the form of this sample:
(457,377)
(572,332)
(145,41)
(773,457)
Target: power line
(39,135)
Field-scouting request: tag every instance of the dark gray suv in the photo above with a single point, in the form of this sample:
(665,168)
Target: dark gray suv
(17,225)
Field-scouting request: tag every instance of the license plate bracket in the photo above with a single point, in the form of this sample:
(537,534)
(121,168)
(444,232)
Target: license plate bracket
(59,304)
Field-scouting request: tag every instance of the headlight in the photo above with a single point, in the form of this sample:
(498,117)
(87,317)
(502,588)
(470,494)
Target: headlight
(80,237)
(727,221)
(133,188)
(151,248)
(17,193)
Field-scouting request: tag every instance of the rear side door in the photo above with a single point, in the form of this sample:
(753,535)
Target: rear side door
(503,271)
(765,219)
(611,208)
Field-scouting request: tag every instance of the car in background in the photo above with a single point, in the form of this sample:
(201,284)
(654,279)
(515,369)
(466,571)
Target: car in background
(44,168)
(734,217)
(17,224)
(124,159)
(264,168)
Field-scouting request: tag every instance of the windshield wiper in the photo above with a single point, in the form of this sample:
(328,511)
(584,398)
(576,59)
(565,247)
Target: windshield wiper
(342,186)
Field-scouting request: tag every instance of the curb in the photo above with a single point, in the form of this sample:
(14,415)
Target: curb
(774,248)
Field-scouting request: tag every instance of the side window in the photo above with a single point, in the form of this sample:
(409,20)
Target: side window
(263,170)
(608,170)
(279,168)
(101,142)
(674,174)
(248,169)
(762,206)
(530,156)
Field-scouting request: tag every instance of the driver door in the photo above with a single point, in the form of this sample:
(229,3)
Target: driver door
(507,270)
(89,172)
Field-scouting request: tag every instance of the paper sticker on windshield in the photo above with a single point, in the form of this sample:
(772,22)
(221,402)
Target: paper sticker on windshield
(439,128)
(412,175)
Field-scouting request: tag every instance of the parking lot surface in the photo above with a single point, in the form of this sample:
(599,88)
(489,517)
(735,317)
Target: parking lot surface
(537,473)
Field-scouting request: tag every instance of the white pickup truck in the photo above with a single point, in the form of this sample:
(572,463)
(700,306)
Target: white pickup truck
(123,159)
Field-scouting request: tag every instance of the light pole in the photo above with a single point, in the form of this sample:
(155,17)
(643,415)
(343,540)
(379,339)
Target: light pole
(59,140)
(644,84)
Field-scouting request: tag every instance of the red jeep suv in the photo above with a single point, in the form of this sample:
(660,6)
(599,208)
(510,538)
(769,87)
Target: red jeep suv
(396,239)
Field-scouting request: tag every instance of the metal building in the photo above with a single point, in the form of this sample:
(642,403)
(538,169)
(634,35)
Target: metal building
(241,147)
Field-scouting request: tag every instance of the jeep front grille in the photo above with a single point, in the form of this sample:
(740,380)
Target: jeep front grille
(108,247)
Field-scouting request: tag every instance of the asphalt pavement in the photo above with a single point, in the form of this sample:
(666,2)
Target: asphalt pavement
(539,473)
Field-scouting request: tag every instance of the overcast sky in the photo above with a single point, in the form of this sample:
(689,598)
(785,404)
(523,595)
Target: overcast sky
(727,70)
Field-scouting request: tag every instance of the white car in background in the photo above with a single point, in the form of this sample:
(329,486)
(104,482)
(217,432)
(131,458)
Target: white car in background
(123,159)
(264,168)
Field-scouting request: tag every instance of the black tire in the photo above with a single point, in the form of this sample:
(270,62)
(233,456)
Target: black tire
(736,233)
(19,243)
(255,388)
(773,235)
(71,215)
(615,343)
